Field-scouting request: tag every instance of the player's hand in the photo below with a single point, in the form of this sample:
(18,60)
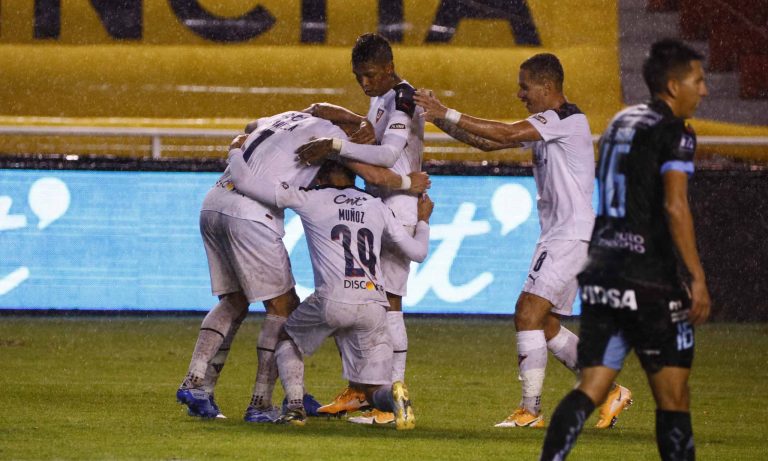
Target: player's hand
(236,143)
(314,152)
(425,207)
(251,126)
(365,134)
(700,302)
(433,108)
(420,182)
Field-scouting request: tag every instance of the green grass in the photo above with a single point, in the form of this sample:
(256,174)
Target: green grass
(103,388)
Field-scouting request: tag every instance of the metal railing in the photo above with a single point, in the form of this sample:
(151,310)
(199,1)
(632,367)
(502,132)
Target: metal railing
(156,135)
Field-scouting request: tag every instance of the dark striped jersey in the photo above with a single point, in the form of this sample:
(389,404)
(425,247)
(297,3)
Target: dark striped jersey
(631,238)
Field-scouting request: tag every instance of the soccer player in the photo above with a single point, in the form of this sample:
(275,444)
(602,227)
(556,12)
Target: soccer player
(563,167)
(248,261)
(345,227)
(632,293)
(392,121)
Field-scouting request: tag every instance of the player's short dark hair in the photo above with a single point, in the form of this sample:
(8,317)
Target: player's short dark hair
(371,48)
(668,58)
(545,66)
(330,167)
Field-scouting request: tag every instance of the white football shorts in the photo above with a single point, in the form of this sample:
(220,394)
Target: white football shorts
(361,335)
(553,271)
(245,256)
(396,266)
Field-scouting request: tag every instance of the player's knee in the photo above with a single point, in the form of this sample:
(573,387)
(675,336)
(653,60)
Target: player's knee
(528,318)
(236,300)
(395,302)
(676,399)
(283,304)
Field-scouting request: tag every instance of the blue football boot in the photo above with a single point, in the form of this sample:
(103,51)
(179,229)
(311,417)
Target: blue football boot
(199,403)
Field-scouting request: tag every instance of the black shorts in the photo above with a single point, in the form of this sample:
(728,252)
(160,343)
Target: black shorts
(619,316)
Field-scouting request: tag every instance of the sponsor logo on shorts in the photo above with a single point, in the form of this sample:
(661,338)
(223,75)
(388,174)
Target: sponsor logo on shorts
(362,285)
(397,126)
(624,240)
(678,311)
(540,118)
(616,298)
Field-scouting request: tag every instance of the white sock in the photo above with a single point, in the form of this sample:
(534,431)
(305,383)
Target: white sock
(215,327)
(266,374)
(396,326)
(291,367)
(563,346)
(532,360)
(216,364)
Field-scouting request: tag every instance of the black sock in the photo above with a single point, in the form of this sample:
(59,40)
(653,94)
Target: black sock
(382,399)
(674,435)
(566,424)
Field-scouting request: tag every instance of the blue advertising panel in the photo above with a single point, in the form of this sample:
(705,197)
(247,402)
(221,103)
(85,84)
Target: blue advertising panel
(130,240)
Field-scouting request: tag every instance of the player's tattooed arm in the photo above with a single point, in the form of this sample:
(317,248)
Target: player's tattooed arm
(415,183)
(468,138)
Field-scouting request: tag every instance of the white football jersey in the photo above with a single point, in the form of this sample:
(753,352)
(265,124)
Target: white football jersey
(396,114)
(270,152)
(344,228)
(564,170)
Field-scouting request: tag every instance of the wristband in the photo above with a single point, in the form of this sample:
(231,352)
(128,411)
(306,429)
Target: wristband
(452,116)
(336,145)
(406,182)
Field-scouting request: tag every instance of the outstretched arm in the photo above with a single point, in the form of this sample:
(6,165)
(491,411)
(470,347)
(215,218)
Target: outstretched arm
(506,134)
(468,138)
(334,113)
(680,222)
(414,183)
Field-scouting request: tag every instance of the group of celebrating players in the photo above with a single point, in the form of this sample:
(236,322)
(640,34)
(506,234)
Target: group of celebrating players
(625,263)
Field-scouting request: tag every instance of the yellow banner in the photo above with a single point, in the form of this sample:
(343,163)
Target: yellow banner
(482,23)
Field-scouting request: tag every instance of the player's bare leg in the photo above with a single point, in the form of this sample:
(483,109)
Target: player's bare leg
(215,328)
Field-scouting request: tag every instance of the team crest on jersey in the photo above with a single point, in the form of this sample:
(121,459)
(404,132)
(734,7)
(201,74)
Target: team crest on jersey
(379,113)
(397,126)
(540,118)
(285,185)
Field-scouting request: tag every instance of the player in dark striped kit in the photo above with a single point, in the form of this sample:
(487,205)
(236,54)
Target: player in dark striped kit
(633,296)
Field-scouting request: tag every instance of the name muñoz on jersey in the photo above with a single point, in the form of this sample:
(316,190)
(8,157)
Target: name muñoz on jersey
(564,171)
(631,239)
(270,152)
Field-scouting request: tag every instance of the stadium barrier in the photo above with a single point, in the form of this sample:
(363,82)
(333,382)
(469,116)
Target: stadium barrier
(121,234)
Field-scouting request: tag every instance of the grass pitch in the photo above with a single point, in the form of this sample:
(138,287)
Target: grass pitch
(103,388)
